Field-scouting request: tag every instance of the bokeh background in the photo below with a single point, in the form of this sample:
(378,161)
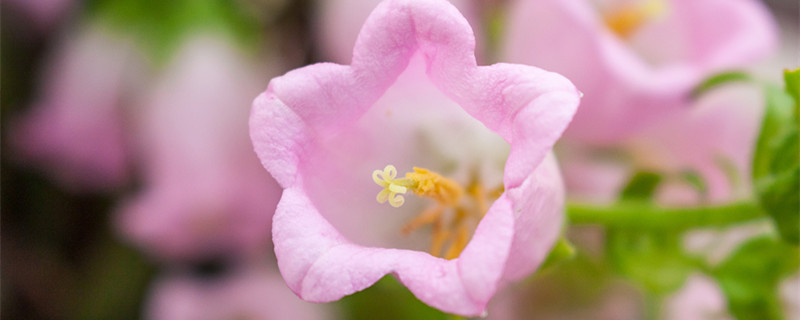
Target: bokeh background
(130,189)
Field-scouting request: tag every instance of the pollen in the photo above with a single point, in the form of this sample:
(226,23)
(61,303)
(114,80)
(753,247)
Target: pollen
(454,214)
(628,18)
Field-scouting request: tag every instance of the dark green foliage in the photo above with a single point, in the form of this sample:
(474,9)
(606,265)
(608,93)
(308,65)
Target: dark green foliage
(389,300)
(717,80)
(642,186)
(776,164)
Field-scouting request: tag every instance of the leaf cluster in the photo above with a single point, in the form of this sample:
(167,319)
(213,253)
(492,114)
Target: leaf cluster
(776,164)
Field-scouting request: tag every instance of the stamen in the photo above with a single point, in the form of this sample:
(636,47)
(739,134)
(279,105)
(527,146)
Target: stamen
(628,18)
(477,192)
(428,216)
(440,235)
(451,229)
(459,243)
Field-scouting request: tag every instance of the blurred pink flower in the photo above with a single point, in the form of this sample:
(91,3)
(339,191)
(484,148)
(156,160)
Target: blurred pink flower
(252,293)
(636,61)
(75,130)
(701,298)
(320,130)
(714,138)
(204,191)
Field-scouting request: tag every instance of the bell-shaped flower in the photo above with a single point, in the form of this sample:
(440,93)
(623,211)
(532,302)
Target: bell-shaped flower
(204,192)
(413,96)
(636,61)
(75,130)
(714,140)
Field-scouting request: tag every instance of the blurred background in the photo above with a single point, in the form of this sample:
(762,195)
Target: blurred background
(130,189)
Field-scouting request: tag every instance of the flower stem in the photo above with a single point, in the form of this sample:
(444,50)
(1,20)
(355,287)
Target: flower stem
(650,216)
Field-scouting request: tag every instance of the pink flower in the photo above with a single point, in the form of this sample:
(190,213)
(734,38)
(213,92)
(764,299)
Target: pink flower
(322,129)
(636,61)
(250,293)
(75,129)
(205,193)
(701,298)
(714,139)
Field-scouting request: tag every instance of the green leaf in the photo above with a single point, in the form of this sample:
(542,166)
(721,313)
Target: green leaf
(387,299)
(696,181)
(751,275)
(717,80)
(781,199)
(776,163)
(792,79)
(787,154)
(654,260)
(776,125)
(642,186)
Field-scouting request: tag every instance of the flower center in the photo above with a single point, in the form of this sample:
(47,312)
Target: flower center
(625,19)
(455,213)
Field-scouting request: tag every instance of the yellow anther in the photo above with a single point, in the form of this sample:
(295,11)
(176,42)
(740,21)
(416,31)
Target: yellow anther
(432,185)
(628,18)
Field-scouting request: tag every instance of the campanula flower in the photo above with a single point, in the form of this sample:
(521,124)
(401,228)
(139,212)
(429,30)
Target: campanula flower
(336,136)
(204,192)
(75,129)
(714,140)
(636,61)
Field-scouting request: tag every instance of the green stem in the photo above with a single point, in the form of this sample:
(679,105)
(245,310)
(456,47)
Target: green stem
(650,216)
